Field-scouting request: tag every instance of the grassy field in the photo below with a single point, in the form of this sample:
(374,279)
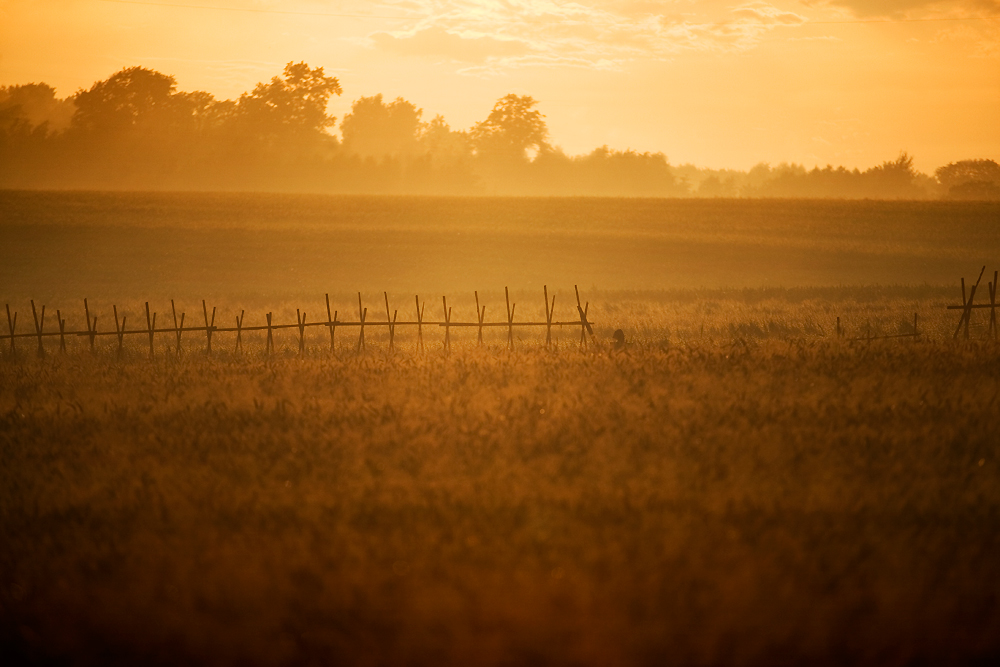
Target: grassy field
(740,503)
(738,486)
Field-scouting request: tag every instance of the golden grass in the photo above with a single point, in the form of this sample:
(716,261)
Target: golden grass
(744,501)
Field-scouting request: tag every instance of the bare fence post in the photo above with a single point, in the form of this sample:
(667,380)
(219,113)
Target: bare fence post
(420,323)
(967,306)
(269,345)
(11,324)
(178,328)
(549,310)
(993,306)
(39,325)
(510,320)
(480,314)
(392,323)
(302,331)
(62,331)
(120,331)
(91,330)
(585,327)
(151,327)
(916,331)
(239,332)
(330,323)
(209,327)
(362,313)
(447,324)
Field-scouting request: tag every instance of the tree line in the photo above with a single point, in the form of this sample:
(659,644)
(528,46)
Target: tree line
(135,130)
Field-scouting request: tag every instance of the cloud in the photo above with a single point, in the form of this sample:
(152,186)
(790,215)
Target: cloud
(437,41)
(497,35)
(918,8)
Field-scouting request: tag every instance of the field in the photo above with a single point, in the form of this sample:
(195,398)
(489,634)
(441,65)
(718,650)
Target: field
(737,486)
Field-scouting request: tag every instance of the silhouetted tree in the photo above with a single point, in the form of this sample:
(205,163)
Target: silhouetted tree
(376,129)
(133,97)
(512,128)
(970,179)
(292,105)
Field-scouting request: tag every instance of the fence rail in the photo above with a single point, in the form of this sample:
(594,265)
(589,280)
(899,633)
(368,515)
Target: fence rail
(332,322)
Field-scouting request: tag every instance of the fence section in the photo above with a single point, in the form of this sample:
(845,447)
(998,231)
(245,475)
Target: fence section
(332,323)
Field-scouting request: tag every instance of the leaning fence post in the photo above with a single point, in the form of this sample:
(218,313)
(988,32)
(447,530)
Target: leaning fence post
(39,325)
(11,324)
(967,311)
(62,331)
(330,323)
(420,323)
(91,330)
(362,313)
(239,332)
(119,331)
(302,331)
(549,310)
(585,327)
(209,326)
(479,315)
(150,326)
(392,323)
(447,324)
(510,319)
(993,306)
(269,345)
(178,329)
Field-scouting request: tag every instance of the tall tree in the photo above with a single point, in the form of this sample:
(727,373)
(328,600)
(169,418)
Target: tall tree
(512,129)
(289,105)
(376,129)
(133,97)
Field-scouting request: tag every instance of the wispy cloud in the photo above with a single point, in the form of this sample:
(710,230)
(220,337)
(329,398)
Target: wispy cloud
(489,36)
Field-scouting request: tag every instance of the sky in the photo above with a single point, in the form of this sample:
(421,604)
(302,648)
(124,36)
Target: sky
(715,83)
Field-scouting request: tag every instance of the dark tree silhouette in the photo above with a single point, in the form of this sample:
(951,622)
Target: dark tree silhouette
(133,97)
(294,104)
(376,129)
(970,179)
(512,128)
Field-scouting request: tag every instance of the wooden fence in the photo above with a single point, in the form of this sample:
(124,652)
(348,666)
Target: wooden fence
(968,306)
(332,323)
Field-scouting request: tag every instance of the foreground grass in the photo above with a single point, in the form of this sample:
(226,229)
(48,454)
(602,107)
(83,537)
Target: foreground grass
(743,503)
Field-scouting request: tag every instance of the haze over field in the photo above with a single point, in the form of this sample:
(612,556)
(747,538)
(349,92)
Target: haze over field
(848,83)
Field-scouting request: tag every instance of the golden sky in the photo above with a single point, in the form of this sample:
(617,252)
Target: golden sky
(716,83)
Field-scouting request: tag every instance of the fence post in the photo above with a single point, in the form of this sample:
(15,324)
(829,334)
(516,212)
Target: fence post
(447,324)
(178,330)
(269,345)
(331,324)
(392,323)
(479,316)
(362,313)
(967,311)
(209,327)
(585,327)
(39,325)
(993,306)
(420,323)
(302,331)
(62,331)
(239,332)
(119,331)
(549,310)
(91,330)
(12,324)
(150,326)
(510,320)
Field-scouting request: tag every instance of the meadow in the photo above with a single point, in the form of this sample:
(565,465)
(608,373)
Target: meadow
(737,486)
